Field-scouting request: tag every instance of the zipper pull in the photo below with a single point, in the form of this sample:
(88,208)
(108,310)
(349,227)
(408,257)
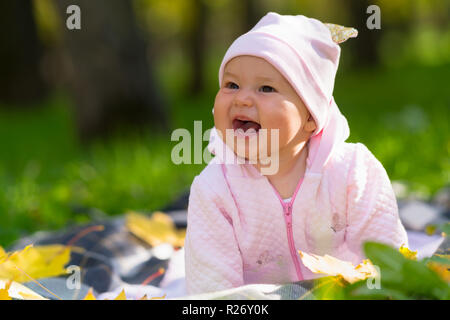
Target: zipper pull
(287,209)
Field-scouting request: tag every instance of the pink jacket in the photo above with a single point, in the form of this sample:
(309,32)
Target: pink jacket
(241,232)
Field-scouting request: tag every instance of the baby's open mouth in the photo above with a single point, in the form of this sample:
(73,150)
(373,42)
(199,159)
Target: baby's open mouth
(246,125)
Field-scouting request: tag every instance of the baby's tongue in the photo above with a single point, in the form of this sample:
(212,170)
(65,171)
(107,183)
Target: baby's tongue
(251,125)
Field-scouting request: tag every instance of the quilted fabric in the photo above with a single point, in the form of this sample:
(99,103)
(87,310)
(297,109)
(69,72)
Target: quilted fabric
(236,231)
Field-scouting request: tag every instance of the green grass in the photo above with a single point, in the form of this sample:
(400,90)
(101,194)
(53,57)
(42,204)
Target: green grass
(48,180)
(402,115)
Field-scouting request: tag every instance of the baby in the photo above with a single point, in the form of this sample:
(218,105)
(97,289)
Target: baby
(326,196)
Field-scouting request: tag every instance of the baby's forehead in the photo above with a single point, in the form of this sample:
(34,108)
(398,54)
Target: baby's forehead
(245,60)
(252,66)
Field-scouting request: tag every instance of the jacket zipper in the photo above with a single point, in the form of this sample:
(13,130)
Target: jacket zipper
(287,208)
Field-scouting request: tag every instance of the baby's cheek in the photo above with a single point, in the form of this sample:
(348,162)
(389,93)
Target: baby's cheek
(220,115)
(287,127)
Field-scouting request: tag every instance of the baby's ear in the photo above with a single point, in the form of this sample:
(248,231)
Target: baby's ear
(310,124)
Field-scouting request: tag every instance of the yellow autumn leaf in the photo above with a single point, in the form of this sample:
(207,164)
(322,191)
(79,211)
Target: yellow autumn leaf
(155,230)
(34,262)
(5,256)
(121,296)
(441,269)
(30,296)
(4,293)
(158,298)
(89,295)
(332,266)
(14,290)
(430,229)
(144,297)
(408,253)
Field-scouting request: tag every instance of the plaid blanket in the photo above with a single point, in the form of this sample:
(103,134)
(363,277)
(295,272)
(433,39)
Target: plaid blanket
(114,259)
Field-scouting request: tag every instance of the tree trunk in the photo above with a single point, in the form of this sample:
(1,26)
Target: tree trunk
(111,76)
(366,45)
(253,12)
(20,54)
(196,43)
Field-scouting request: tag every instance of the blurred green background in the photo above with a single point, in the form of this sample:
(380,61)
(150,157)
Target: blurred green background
(86,115)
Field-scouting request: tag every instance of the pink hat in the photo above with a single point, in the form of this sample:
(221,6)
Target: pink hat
(303,51)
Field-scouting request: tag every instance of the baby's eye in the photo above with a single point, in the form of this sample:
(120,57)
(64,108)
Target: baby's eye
(231,84)
(267,89)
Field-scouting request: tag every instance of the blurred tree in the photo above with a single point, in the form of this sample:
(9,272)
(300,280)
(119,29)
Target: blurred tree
(253,11)
(196,44)
(367,44)
(248,12)
(20,53)
(111,76)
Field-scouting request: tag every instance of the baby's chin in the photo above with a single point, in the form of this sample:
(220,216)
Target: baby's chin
(252,146)
(238,134)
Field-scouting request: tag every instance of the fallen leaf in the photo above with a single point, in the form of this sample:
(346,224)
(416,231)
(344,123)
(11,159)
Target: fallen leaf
(5,256)
(157,298)
(15,290)
(121,296)
(441,267)
(430,229)
(4,295)
(408,253)
(89,295)
(332,266)
(157,229)
(35,262)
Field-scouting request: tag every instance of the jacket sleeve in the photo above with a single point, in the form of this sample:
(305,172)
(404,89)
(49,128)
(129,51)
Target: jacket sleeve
(372,211)
(212,256)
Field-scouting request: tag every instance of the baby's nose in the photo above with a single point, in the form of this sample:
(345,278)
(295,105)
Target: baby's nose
(243,98)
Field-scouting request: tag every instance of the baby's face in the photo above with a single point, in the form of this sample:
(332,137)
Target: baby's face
(254,95)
